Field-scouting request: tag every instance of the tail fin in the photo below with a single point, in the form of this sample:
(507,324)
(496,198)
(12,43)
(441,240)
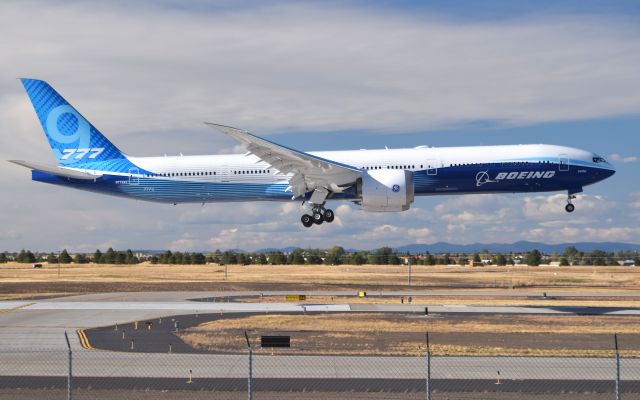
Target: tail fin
(74,141)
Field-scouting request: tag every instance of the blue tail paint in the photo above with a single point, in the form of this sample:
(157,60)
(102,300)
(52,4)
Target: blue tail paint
(75,142)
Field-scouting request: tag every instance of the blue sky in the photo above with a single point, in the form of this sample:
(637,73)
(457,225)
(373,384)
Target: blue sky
(324,76)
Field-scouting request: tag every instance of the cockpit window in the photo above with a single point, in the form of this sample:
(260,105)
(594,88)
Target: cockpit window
(599,160)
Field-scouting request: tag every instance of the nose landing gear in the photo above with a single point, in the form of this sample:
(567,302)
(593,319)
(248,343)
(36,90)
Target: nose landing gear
(570,207)
(319,214)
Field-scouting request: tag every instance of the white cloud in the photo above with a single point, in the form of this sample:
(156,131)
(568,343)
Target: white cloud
(624,159)
(570,234)
(298,66)
(551,207)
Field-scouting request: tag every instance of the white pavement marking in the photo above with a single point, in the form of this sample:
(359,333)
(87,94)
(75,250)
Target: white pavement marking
(189,306)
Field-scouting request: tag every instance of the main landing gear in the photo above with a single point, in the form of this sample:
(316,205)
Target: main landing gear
(319,214)
(570,207)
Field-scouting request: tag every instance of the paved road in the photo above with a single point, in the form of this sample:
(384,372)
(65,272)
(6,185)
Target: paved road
(41,323)
(87,363)
(177,386)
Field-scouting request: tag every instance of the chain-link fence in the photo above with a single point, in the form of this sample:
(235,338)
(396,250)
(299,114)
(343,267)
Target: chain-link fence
(96,374)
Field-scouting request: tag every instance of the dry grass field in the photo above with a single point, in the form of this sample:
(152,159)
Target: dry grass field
(609,278)
(459,300)
(403,334)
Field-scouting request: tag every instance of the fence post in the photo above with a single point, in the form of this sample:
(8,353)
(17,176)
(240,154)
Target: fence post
(428,368)
(250,377)
(69,374)
(615,338)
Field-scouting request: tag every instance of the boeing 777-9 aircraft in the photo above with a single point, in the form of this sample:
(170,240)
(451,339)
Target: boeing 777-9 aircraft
(377,180)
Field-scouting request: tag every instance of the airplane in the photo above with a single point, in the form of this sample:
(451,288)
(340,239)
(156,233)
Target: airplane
(384,180)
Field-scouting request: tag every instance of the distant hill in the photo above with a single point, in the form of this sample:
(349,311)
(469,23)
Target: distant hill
(521,246)
(444,247)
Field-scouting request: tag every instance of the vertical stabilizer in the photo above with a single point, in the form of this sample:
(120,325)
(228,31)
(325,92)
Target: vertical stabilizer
(75,142)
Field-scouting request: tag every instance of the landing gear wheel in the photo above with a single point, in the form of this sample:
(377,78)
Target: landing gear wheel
(307,221)
(569,208)
(318,218)
(329,215)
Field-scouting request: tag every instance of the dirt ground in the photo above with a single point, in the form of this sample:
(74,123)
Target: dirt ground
(403,334)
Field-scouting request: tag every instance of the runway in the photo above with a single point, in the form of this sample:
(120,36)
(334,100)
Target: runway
(41,323)
(32,347)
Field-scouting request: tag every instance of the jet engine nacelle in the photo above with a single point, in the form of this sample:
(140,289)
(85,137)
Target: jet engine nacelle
(386,190)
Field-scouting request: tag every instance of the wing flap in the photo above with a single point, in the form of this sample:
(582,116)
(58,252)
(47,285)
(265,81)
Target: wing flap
(309,171)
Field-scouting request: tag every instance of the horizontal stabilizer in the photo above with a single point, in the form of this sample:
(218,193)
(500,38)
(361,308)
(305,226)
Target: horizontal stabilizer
(62,172)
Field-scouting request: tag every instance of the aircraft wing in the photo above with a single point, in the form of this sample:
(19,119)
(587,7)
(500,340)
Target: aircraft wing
(310,172)
(62,172)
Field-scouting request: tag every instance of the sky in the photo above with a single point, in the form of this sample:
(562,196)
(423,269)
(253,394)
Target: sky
(322,76)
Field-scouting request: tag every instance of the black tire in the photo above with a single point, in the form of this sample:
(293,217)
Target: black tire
(329,215)
(307,220)
(569,208)
(318,218)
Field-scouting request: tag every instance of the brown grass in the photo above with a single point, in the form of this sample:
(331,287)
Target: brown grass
(367,333)
(617,278)
(372,322)
(456,300)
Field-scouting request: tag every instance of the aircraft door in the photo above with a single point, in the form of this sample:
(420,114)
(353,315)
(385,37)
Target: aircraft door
(563,162)
(432,167)
(134,178)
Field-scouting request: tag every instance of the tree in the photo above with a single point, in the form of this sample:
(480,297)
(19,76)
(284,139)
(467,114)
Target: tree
(25,257)
(598,257)
(3,257)
(229,257)
(64,257)
(476,258)
(198,258)
(120,258)
(358,258)
(97,256)
(80,258)
(570,251)
(564,261)
(334,256)
(52,258)
(314,257)
(277,258)
(166,257)
(296,257)
(243,259)
(109,257)
(501,260)
(261,259)
(22,256)
(534,258)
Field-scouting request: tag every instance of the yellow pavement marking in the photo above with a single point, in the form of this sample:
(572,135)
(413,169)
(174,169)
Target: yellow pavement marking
(84,341)
(8,310)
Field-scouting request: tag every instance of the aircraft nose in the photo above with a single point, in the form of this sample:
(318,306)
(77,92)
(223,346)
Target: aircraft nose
(605,173)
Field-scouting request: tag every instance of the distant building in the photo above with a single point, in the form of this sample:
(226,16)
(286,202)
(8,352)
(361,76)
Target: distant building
(554,264)
(627,263)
